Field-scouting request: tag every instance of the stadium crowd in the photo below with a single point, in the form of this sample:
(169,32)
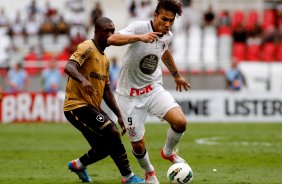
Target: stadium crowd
(37,34)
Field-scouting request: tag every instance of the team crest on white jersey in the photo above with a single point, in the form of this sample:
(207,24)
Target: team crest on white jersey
(131,131)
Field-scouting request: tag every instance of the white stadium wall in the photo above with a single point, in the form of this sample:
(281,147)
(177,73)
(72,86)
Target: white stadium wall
(198,106)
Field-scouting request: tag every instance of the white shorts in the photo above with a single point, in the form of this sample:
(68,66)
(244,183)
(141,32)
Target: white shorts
(135,109)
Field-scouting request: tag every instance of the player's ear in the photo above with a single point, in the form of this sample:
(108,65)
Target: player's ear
(155,15)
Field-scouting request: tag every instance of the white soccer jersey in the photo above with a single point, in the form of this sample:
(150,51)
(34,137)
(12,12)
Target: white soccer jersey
(141,70)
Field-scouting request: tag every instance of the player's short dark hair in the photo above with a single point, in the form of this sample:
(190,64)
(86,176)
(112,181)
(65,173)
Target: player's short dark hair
(174,6)
(100,22)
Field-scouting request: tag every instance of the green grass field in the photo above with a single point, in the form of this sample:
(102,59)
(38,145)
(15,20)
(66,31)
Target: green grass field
(241,153)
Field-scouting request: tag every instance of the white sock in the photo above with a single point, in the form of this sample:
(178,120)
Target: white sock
(128,176)
(172,140)
(145,162)
(78,164)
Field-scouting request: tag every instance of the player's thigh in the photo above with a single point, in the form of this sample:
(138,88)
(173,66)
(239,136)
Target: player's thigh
(90,122)
(161,102)
(134,114)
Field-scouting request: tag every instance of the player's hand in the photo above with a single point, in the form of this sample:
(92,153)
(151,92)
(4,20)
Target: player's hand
(181,82)
(150,37)
(121,124)
(89,88)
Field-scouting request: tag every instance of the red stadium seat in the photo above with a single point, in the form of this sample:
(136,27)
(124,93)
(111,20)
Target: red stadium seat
(279,53)
(238,18)
(239,51)
(253,52)
(30,62)
(268,52)
(268,18)
(252,19)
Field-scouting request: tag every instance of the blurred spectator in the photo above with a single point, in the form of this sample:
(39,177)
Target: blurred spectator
(45,55)
(51,77)
(96,12)
(239,34)
(30,60)
(64,55)
(5,45)
(186,2)
(279,16)
(17,79)
(75,5)
(62,27)
(17,26)
(190,16)
(47,26)
(144,11)
(114,71)
(224,18)
(32,55)
(1,94)
(75,40)
(270,35)
(132,9)
(255,35)
(209,16)
(234,77)
(76,20)
(4,22)
(50,12)
(33,9)
(32,26)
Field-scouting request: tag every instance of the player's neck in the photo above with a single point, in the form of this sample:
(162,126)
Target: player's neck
(154,29)
(99,47)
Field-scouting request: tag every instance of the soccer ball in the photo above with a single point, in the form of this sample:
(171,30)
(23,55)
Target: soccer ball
(180,173)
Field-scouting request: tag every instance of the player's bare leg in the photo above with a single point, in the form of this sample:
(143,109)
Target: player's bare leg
(177,120)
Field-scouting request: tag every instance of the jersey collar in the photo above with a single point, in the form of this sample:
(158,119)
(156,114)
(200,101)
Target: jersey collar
(152,25)
(97,47)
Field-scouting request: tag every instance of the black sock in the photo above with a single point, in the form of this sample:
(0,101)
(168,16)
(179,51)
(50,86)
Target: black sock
(92,156)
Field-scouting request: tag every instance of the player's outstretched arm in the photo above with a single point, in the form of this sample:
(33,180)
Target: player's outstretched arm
(118,39)
(170,64)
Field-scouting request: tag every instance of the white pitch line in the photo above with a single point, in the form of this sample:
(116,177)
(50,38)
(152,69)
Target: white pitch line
(215,141)
(208,141)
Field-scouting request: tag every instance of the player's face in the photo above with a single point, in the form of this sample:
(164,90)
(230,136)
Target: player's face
(105,32)
(163,21)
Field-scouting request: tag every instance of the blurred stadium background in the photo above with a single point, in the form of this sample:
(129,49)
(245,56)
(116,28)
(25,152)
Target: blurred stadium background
(207,38)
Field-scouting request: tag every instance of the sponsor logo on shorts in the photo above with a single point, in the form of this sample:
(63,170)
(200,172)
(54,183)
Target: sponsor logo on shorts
(131,131)
(137,92)
(100,118)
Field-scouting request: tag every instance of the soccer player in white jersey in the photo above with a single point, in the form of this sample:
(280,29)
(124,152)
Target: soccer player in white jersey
(139,88)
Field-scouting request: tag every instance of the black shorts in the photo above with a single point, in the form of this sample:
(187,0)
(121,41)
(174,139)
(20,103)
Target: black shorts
(91,123)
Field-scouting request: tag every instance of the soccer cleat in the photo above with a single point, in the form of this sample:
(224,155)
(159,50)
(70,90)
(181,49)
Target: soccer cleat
(151,178)
(133,179)
(174,158)
(81,173)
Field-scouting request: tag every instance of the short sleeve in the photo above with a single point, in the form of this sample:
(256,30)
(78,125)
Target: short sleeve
(82,53)
(132,29)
